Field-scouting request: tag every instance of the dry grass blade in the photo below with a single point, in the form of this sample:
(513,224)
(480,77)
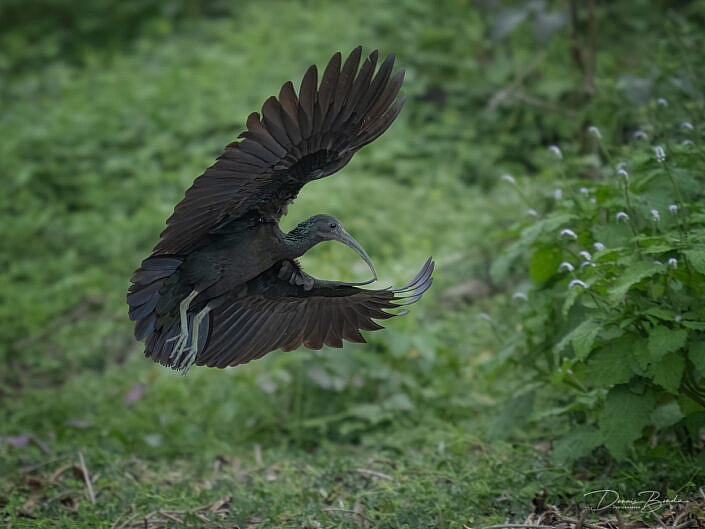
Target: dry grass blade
(86,478)
(500,525)
(374,473)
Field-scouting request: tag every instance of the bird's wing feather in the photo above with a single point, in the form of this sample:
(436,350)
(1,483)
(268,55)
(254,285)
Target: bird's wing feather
(272,312)
(294,140)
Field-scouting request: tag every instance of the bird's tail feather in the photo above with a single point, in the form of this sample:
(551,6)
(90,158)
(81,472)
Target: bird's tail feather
(144,294)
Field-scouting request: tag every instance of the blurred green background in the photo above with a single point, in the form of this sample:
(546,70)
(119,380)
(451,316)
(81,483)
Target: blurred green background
(109,110)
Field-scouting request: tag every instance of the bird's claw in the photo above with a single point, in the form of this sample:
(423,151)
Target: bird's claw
(188,359)
(179,346)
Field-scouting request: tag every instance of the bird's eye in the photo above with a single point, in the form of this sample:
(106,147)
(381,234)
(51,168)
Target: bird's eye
(333,226)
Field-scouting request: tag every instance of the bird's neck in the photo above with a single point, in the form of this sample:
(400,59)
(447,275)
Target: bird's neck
(297,242)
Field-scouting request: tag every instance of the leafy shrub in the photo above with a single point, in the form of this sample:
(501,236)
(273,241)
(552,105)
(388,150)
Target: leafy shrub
(613,322)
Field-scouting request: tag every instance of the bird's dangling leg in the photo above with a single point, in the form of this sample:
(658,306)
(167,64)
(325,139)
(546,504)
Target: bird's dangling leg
(190,357)
(182,338)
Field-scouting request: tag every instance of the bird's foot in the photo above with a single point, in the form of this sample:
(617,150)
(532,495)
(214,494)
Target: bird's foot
(188,359)
(183,338)
(179,347)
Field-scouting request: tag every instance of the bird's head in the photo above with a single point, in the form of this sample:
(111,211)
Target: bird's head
(321,228)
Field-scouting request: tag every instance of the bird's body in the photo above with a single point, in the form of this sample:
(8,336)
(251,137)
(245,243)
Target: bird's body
(223,285)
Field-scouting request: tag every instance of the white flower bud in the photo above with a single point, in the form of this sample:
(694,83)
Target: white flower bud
(569,233)
(584,190)
(556,150)
(621,215)
(565,265)
(687,125)
(673,263)
(655,215)
(532,212)
(585,255)
(558,194)
(640,135)
(660,154)
(598,246)
(592,129)
(520,295)
(508,178)
(577,283)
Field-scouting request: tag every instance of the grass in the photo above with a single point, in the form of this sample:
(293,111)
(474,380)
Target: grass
(100,138)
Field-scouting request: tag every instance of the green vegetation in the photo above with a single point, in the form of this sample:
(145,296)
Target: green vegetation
(458,413)
(618,266)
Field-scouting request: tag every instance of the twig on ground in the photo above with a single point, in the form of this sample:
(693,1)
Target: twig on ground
(683,525)
(374,473)
(501,525)
(620,521)
(585,524)
(170,516)
(124,524)
(87,478)
(581,519)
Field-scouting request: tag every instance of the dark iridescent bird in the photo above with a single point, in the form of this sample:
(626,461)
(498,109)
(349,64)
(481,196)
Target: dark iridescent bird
(223,286)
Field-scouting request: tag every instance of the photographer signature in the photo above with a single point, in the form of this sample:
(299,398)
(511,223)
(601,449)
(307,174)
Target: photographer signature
(650,500)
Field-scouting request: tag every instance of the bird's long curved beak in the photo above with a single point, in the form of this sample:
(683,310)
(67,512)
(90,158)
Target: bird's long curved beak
(348,240)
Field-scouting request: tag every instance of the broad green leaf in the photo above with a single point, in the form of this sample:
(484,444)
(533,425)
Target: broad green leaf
(696,354)
(661,313)
(544,263)
(578,443)
(399,401)
(609,365)
(668,372)
(630,277)
(573,295)
(697,259)
(582,338)
(666,415)
(663,340)
(695,325)
(624,416)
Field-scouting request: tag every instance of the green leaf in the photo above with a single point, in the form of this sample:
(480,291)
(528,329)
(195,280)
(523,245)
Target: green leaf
(609,365)
(573,295)
(370,412)
(578,443)
(697,356)
(544,263)
(582,338)
(697,259)
(666,415)
(624,416)
(660,313)
(663,340)
(695,325)
(399,401)
(630,277)
(668,372)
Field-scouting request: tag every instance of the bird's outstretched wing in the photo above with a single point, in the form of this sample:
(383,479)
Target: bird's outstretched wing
(279,313)
(296,139)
